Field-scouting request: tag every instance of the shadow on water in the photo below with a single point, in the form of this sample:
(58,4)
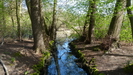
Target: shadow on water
(66,61)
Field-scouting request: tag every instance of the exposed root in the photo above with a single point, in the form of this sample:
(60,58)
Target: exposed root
(4,67)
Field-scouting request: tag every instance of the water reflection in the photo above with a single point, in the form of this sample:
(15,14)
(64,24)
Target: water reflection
(66,61)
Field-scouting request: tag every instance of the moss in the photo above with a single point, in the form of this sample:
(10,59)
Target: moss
(96,49)
(17,54)
(39,68)
(89,67)
(129,68)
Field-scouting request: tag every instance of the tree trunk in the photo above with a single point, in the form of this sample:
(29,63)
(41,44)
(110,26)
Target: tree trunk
(130,14)
(12,18)
(53,25)
(44,25)
(91,22)
(39,45)
(84,34)
(116,22)
(18,19)
(111,40)
(3,24)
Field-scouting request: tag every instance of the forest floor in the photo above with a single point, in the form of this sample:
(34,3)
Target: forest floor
(18,58)
(111,63)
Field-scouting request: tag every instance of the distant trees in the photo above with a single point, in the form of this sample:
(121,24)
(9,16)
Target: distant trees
(76,16)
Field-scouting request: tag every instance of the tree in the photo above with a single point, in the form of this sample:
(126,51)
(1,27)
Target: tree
(116,22)
(111,40)
(130,14)
(36,20)
(3,23)
(84,35)
(92,10)
(53,25)
(18,10)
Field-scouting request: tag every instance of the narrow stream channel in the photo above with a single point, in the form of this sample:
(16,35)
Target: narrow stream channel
(66,61)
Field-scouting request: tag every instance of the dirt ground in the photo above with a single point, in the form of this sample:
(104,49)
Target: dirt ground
(18,58)
(111,63)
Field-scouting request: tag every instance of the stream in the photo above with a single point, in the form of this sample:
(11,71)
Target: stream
(66,62)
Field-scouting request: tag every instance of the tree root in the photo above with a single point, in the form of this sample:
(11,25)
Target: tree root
(4,67)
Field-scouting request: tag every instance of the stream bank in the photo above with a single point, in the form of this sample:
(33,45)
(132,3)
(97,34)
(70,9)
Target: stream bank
(88,66)
(112,63)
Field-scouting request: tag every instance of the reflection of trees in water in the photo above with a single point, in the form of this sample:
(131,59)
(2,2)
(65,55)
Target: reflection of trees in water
(66,62)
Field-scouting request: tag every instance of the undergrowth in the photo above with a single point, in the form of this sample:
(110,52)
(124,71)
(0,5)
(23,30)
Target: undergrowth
(39,68)
(129,68)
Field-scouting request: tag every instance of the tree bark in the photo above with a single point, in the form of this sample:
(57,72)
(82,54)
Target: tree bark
(18,19)
(116,22)
(91,21)
(86,23)
(39,45)
(53,25)
(112,38)
(130,14)
(3,24)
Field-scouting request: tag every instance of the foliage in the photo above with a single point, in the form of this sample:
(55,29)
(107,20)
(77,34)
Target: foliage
(26,73)
(129,68)
(51,42)
(102,24)
(74,36)
(40,66)
(17,54)
(126,34)
(97,49)
(13,59)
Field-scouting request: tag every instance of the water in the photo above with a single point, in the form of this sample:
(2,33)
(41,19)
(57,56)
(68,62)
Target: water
(66,61)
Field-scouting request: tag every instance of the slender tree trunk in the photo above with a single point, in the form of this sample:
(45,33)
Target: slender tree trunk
(18,19)
(12,19)
(3,23)
(53,25)
(3,18)
(130,14)
(91,22)
(86,23)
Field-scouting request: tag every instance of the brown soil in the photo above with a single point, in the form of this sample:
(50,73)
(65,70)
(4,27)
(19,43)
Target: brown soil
(111,63)
(18,58)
